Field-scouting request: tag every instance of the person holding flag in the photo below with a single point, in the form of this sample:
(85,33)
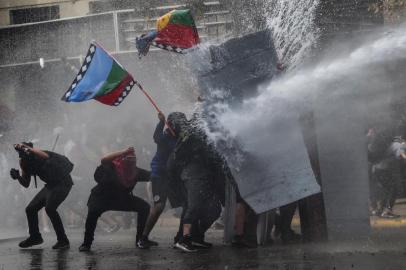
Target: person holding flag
(165,142)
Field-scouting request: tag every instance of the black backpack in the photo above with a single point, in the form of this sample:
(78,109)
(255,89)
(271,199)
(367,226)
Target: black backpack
(62,165)
(55,168)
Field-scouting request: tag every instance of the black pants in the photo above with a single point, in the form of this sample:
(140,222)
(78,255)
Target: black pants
(159,189)
(199,226)
(98,204)
(388,181)
(202,208)
(50,198)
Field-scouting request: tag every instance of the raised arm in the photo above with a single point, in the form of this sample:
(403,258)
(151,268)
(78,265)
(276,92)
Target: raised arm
(31,150)
(159,130)
(106,160)
(23,179)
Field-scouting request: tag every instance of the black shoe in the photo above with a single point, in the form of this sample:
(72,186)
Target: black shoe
(31,241)
(185,244)
(84,248)
(64,244)
(176,239)
(201,244)
(145,243)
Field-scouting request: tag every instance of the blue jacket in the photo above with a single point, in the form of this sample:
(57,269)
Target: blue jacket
(165,144)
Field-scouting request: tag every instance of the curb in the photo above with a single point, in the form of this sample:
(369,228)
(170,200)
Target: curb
(375,222)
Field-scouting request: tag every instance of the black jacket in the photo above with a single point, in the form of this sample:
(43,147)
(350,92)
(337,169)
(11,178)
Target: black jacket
(54,170)
(108,184)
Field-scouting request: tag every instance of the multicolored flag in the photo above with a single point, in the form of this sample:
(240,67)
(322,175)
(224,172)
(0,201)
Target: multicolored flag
(176,32)
(101,78)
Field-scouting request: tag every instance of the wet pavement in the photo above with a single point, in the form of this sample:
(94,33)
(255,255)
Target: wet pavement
(387,251)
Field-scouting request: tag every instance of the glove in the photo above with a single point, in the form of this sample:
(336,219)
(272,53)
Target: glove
(14,173)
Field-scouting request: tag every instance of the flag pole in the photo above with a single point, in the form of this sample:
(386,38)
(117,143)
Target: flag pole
(140,87)
(155,105)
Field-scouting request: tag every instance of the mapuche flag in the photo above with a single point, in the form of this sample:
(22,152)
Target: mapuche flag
(101,78)
(176,31)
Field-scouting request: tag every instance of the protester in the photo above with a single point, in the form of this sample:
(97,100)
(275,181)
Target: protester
(378,143)
(192,161)
(54,170)
(387,173)
(165,142)
(116,177)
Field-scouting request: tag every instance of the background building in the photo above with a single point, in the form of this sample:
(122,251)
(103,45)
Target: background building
(28,11)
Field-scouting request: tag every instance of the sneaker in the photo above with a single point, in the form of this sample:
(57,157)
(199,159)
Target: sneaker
(84,248)
(185,244)
(176,239)
(31,241)
(145,243)
(389,214)
(201,244)
(64,244)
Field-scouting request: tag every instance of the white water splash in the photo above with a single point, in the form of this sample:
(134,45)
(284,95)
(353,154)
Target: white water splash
(293,28)
(363,69)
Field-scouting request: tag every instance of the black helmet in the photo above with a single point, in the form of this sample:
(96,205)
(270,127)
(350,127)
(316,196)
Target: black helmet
(177,121)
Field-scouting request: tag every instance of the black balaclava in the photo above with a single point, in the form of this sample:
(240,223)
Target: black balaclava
(177,121)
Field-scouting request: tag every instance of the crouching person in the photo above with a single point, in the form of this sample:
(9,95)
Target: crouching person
(116,178)
(54,170)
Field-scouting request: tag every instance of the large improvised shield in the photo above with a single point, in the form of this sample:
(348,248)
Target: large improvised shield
(280,172)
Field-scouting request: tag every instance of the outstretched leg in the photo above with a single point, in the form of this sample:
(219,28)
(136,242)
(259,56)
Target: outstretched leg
(55,197)
(132,203)
(37,203)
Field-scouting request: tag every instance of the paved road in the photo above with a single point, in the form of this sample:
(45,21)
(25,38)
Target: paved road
(117,252)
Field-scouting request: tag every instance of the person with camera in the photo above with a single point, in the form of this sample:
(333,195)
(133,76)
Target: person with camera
(116,177)
(54,169)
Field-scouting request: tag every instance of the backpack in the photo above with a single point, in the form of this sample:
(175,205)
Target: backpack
(55,168)
(63,165)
